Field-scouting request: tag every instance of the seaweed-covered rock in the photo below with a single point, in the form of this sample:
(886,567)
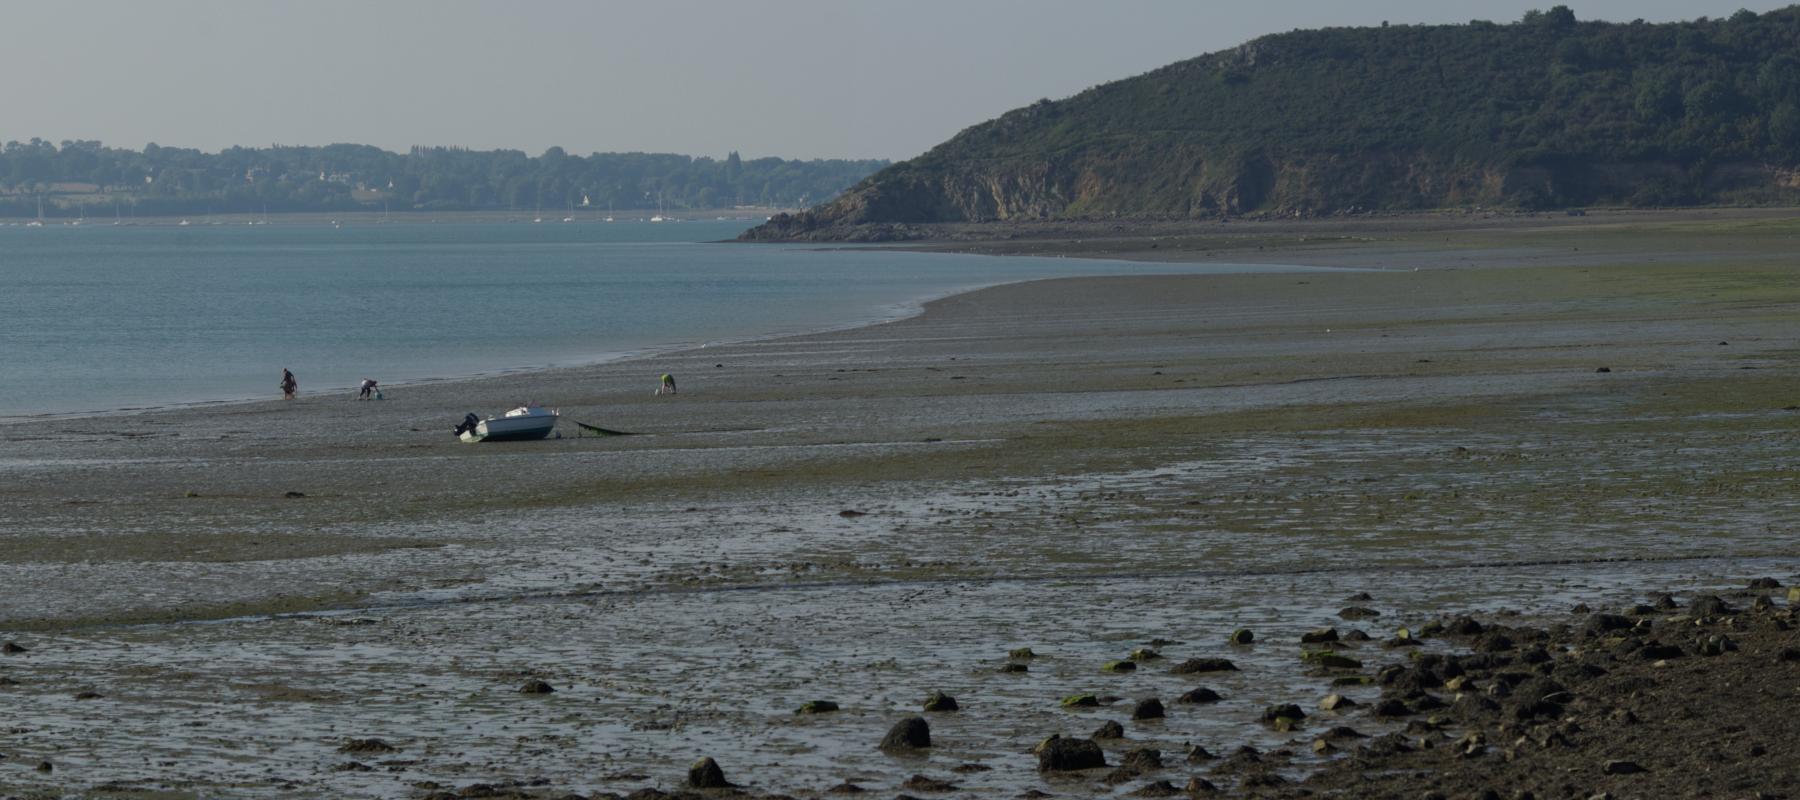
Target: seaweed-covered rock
(1110,730)
(1319,636)
(816,707)
(1143,654)
(1080,701)
(1062,754)
(938,701)
(1198,665)
(1329,660)
(1119,666)
(1283,711)
(912,733)
(1242,636)
(1358,612)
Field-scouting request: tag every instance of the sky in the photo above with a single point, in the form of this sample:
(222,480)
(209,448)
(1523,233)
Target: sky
(787,78)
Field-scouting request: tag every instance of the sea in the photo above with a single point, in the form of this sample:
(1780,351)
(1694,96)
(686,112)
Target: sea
(104,318)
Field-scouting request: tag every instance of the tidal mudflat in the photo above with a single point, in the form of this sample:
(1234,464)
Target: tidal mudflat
(234,601)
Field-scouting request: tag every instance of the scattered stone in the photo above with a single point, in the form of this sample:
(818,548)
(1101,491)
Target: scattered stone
(1620,768)
(1119,666)
(1793,595)
(1319,635)
(1143,759)
(1329,660)
(921,783)
(366,746)
(1080,701)
(1343,732)
(1664,602)
(1337,702)
(911,733)
(1156,789)
(45,766)
(1197,785)
(851,513)
(1110,730)
(816,707)
(1358,612)
(1061,754)
(1021,653)
(1198,695)
(1197,754)
(88,695)
(1604,369)
(1654,651)
(1765,583)
(1352,680)
(1392,708)
(1014,668)
(353,766)
(965,769)
(846,788)
(1242,636)
(1288,711)
(706,774)
(1198,665)
(1710,606)
(1495,642)
(1359,597)
(1144,654)
(938,701)
(13,648)
(1150,708)
(1464,626)
(294,494)
(535,686)
(1356,635)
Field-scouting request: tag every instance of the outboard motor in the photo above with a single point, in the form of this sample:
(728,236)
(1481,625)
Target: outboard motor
(468,424)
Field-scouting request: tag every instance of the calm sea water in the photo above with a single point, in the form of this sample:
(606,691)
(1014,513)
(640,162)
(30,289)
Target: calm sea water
(102,318)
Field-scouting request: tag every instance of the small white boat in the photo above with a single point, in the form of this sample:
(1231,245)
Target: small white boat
(524,422)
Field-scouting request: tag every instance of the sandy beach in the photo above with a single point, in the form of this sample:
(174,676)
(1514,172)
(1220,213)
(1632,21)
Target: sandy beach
(1499,419)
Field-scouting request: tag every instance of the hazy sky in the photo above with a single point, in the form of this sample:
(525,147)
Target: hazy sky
(790,78)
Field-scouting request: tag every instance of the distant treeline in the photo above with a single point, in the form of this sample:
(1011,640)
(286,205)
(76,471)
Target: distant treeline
(85,176)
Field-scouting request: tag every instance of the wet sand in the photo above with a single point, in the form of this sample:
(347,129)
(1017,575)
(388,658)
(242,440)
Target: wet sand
(1081,466)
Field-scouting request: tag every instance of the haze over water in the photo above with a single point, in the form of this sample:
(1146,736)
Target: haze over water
(101,318)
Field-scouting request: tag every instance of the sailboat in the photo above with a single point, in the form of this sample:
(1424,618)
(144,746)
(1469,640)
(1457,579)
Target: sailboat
(609,211)
(39,222)
(659,209)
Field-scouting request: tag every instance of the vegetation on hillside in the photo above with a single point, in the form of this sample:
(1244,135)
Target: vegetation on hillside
(75,175)
(1547,111)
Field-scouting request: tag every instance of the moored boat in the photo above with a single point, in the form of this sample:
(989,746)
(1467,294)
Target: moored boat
(524,422)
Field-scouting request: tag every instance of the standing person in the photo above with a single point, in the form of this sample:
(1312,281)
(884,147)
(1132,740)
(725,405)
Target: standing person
(368,386)
(668,384)
(288,385)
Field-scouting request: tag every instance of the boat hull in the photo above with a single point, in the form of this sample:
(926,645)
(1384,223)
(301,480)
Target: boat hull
(512,429)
